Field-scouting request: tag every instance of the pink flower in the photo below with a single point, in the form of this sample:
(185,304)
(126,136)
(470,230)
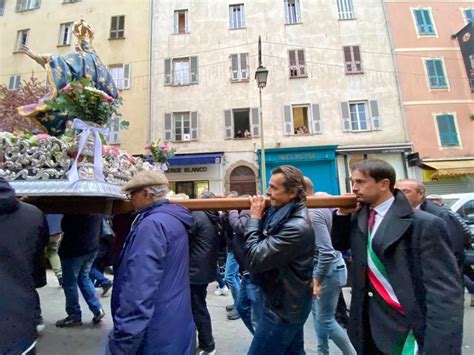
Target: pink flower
(165,147)
(147,147)
(67,89)
(42,136)
(79,86)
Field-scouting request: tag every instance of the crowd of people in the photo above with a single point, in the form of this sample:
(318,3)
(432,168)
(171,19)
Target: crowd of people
(283,263)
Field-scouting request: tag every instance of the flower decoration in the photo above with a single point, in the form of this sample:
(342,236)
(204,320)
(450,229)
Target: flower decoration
(160,152)
(79,99)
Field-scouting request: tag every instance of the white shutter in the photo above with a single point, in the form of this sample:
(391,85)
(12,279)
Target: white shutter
(316,119)
(298,11)
(229,124)
(287,121)
(345,117)
(176,22)
(242,15)
(186,21)
(169,136)
(234,66)
(255,129)
(374,111)
(194,125)
(231,16)
(194,74)
(301,62)
(244,68)
(287,13)
(127,71)
(168,80)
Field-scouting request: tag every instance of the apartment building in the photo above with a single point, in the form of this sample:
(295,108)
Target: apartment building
(121,40)
(331,98)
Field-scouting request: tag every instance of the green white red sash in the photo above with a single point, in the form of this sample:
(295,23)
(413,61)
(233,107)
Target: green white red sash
(379,279)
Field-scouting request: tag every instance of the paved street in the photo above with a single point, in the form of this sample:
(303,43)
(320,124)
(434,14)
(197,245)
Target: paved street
(231,336)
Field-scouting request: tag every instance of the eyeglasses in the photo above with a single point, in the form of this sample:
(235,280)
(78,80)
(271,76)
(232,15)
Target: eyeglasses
(130,194)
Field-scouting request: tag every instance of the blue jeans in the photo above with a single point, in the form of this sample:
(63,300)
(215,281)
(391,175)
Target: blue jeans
(232,275)
(76,273)
(249,304)
(219,278)
(98,277)
(324,312)
(274,336)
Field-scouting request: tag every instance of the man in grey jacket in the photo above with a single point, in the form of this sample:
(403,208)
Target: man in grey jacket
(329,275)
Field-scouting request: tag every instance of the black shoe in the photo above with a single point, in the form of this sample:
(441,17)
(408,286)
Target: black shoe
(106,288)
(98,317)
(233,315)
(60,280)
(69,321)
(229,307)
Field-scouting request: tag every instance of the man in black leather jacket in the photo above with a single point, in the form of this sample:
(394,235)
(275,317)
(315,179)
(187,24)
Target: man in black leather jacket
(278,250)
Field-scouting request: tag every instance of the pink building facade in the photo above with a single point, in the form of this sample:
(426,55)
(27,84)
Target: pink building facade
(437,99)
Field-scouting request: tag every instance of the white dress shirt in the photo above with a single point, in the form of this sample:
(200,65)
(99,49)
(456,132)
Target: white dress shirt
(381,210)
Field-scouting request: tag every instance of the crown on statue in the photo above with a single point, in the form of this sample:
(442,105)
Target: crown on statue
(83,31)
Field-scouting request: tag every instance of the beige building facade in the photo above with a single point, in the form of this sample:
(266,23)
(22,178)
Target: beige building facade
(122,33)
(331,97)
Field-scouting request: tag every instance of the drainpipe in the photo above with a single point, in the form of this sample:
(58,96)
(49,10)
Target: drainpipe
(150,68)
(397,77)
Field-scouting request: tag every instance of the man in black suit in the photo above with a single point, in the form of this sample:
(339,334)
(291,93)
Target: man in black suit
(407,294)
(415,192)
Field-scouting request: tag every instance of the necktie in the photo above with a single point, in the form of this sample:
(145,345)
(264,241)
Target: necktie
(371,220)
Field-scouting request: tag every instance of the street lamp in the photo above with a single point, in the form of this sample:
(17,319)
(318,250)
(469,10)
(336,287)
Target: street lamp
(261,75)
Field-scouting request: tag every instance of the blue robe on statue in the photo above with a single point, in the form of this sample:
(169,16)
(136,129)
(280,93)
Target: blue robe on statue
(151,299)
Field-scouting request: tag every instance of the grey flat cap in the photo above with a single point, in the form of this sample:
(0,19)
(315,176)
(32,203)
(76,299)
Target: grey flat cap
(145,179)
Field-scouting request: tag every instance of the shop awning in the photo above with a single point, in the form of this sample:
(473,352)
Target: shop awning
(196,159)
(451,168)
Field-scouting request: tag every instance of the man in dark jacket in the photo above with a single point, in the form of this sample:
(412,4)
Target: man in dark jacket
(151,305)
(415,192)
(407,295)
(23,237)
(203,243)
(279,249)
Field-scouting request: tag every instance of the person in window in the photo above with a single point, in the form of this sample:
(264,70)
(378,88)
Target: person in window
(239,134)
(247,134)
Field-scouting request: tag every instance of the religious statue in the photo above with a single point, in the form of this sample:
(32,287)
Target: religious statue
(61,70)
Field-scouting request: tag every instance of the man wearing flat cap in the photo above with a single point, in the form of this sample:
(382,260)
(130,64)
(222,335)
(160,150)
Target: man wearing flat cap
(151,304)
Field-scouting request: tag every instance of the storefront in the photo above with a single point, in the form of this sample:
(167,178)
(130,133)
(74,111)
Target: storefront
(317,163)
(447,176)
(191,174)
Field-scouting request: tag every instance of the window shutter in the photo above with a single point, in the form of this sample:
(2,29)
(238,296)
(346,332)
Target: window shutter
(186,21)
(228,123)
(127,70)
(287,12)
(113,27)
(242,16)
(298,11)
(316,119)
(428,23)
(255,122)
(231,16)
(287,121)
(235,66)
(244,66)
(376,119)
(11,84)
(169,136)
(301,62)
(357,60)
(114,130)
(430,68)
(345,117)
(168,71)
(441,76)
(19,5)
(347,59)
(194,79)
(194,125)
(176,22)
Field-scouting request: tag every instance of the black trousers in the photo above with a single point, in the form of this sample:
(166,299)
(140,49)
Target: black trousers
(201,316)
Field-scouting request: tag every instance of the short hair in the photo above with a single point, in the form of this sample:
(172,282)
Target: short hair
(158,190)
(294,180)
(207,194)
(234,194)
(377,169)
(309,184)
(420,187)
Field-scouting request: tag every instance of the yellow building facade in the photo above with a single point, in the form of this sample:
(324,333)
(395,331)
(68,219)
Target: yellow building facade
(122,34)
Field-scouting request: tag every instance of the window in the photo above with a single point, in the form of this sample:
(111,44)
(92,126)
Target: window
(2,7)
(236,16)
(436,74)
(65,31)
(181,126)
(468,15)
(297,63)
(448,134)
(192,189)
(242,123)
(24,5)
(181,21)
(352,61)
(301,119)
(292,12)
(239,66)
(117,27)
(114,130)
(181,71)
(345,10)
(424,22)
(357,117)
(15,82)
(121,75)
(21,39)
